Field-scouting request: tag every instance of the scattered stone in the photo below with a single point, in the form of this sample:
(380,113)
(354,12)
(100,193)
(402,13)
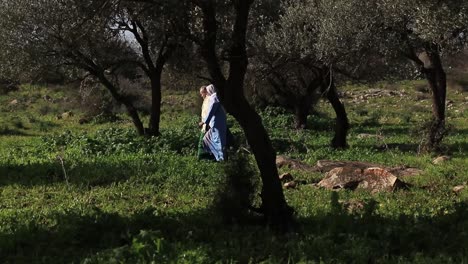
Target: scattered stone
(14,102)
(286,177)
(440,160)
(352,174)
(404,171)
(283,161)
(290,185)
(328,165)
(364,135)
(379,179)
(339,178)
(374,179)
(458,188)
(67,115)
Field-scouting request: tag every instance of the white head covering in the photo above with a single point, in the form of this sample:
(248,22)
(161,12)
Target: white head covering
(210,89)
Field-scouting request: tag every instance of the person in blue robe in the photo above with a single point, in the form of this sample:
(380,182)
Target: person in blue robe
(214,139)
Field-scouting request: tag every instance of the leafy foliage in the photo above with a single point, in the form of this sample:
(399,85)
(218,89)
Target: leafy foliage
(117,140)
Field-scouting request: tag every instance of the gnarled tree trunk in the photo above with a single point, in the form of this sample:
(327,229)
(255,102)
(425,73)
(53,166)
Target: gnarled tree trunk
(274,205)
(342,124)
(301,111)
(153,70)
(431,66)
(231,92)
(435,75)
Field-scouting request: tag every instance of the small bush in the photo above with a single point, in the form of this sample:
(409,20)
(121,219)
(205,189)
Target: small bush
(237,195)
(7,85)
(431,135)
(125,140)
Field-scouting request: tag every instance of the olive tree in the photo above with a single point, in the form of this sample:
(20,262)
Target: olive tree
(220,30)
(209,26)
(77,34)
(89,35)
(156,28)
(293,67)
(352,33)
(423,32)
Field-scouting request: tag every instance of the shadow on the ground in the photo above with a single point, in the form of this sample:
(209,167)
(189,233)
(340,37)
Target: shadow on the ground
(76,173)
(338,236)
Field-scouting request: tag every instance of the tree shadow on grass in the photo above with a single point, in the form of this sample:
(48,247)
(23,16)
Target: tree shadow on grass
(6,131)
(80,173)
(383,130)
(367,237)
(200,236)
(403,147)
(458,147)
(283,145)
(320,123)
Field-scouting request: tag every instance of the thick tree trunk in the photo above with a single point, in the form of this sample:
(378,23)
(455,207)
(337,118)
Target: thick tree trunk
(276,211)
(436,78)
(153,70)
(303,104)
(133,113)
(301,111)
(231,93)
(342,123)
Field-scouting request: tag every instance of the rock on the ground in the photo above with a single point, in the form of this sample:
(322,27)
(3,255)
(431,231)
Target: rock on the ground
(290,185)
(283,161)
(286,177)
(440,160)
(66,115)
(404,171)
(400,171)
(328,165)
(374,179)
(458,188)
(366,135)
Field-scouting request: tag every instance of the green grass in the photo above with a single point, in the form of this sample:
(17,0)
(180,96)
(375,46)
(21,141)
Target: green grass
(126,199)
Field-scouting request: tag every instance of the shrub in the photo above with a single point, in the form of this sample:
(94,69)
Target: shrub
(237,195)
(125,140)
(8,85)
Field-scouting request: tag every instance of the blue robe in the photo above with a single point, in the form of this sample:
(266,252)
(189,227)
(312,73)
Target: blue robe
(215,138)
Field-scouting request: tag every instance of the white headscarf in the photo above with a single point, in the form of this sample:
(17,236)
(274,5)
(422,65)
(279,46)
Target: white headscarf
(210,89)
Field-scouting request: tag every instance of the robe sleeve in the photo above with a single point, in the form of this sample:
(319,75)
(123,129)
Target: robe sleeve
(212,108)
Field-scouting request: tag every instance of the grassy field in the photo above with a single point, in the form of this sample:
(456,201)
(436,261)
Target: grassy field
(96,193)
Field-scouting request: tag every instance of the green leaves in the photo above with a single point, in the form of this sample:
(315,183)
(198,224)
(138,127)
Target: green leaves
(119,140)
